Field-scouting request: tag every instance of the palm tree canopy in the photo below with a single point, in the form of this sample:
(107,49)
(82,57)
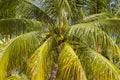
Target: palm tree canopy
(59,40)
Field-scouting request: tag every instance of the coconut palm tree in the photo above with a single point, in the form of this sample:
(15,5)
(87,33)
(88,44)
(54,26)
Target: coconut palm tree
(46,41)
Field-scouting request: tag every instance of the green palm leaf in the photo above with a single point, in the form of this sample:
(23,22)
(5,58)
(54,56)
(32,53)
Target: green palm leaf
(97,67)
(19,26)
(17,77)
(23,9)
(95,17)
(69,65)
(14,77)
(110,26)
(67,9)
(30,11)
(56,7)
(95,38)
(15,55)
(7,8)
(40,64)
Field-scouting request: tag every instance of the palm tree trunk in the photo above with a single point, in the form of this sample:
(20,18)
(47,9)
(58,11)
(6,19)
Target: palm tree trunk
(55,66)
(54,72)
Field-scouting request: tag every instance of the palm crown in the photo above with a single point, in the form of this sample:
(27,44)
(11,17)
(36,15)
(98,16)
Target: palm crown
(55,40)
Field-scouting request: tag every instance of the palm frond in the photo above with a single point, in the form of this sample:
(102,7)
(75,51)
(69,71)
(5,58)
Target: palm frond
(14,77)
(97,67)
(110,26)
(118,11)
(27,9)
(97,6)
(4,45)
(17,77)
(57,8)
(23,9)
(15,55)
(110,23)
(95,17)
(69,65)
(86,35)
(7,8)
(18,26)
(70,8)
(40,64)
